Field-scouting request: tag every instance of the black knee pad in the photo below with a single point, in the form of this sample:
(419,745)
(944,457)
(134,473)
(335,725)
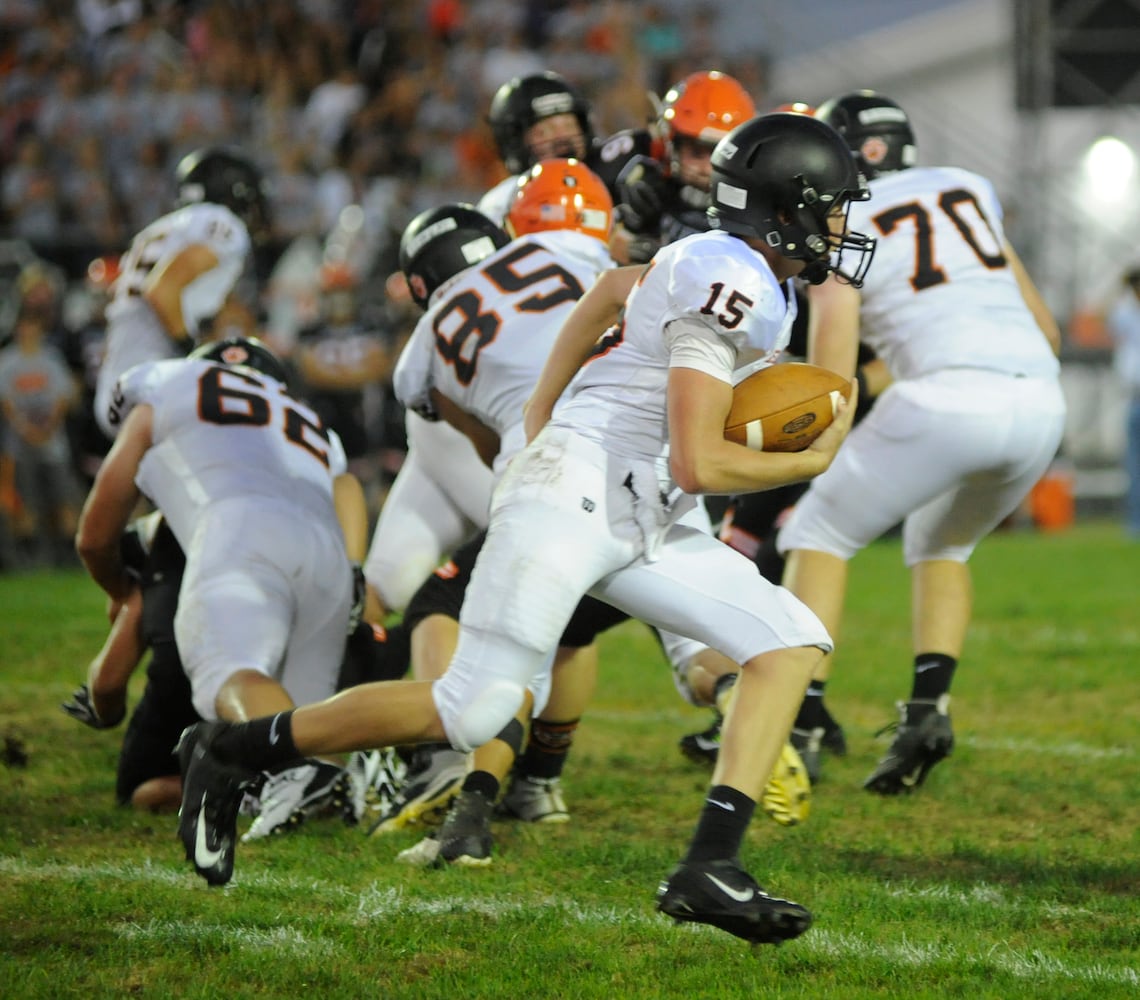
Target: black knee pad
(442,592)
(512,735)
(590,618)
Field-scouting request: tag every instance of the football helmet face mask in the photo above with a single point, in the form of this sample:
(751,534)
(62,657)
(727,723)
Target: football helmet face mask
(524,101)
(561,194)
(789,179)
(225,177)
(700,111)
(441,242)
(875,128)
(243,352)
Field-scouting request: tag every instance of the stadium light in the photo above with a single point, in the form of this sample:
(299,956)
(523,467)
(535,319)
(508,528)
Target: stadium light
(1110,167)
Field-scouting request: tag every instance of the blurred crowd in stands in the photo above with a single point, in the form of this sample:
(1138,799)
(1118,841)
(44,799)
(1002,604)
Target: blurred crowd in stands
(360,113)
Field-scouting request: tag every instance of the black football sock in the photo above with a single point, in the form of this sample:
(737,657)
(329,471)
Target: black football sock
(812,714)
(933,673)
(721,827)
(722,689)
(546,750)
(261,744)
(483,782)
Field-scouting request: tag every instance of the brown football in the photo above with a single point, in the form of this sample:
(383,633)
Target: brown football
(784,407)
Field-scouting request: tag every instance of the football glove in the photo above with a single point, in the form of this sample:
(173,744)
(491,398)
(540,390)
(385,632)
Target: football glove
(640,249)
(81,708)
(359,593)
(643,192)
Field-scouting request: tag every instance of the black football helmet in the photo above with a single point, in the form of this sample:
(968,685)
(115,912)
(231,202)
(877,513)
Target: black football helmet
(441,242)
(243,352)
(521,102)
(225,177)
(777,178)
(877,131)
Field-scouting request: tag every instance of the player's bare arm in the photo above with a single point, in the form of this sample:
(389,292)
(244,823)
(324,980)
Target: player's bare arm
(702,460)
(352,513)
(833,333)
(110,672)
(110,504)
(593,314)
(484,438)
(165,285)
(1033,299)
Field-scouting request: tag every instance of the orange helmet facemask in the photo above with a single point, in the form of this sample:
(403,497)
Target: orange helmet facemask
(561,194)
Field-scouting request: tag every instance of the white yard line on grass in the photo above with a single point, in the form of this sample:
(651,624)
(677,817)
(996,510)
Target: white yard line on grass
(1075,750)
(1078,750)
(378,902)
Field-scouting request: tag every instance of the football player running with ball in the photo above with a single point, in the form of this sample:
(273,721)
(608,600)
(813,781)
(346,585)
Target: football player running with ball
(972,419)
(591,505)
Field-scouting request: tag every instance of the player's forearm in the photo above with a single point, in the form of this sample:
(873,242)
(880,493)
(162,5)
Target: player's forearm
(111,670)
(164,287)
(167,305)
(1033,300)
(105,567)
(352,513)
(833,327)
(727,468)
(485,439)
(593,314)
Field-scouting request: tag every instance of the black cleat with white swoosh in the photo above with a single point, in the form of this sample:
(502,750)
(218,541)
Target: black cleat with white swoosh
(923,737)
(211,795)
(723,894)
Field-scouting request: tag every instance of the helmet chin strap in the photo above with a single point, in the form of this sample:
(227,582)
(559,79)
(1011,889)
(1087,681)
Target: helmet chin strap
(816,272)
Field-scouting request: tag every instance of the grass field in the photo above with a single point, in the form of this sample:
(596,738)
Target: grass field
(1013,874)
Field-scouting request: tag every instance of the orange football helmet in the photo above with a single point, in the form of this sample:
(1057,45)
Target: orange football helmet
(795,108)
(561,194)
(704,107)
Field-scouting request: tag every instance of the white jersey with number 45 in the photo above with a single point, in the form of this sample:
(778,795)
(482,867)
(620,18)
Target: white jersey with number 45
(961,306)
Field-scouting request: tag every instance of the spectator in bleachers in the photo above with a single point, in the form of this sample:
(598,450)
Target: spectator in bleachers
(125,115)
(90,208)
(1124,324)
(36,393)
(144,187)
(406,81)
(332,104)
(31,194)
(65,111)
(294,194)
(509,58)
(83,351)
